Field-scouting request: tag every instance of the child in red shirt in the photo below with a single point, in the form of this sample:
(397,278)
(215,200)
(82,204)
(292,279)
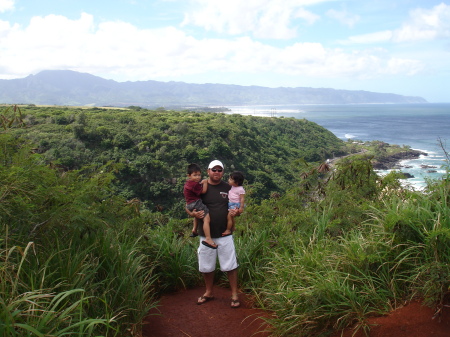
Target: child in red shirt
(192,190)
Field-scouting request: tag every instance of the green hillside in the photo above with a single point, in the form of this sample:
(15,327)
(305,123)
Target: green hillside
(149,150)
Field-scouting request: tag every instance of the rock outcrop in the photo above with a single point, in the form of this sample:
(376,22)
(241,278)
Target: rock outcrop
(391,162)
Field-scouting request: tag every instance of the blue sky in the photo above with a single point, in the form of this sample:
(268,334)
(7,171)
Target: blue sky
(394,46)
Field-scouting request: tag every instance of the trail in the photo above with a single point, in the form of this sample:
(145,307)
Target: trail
(411,320)
(178,315)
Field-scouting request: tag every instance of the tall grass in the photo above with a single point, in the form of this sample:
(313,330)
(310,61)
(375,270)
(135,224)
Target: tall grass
(175,256)
(321,287)
(27,309)
(102,287)
(331,268)
(114,282)
(72,255)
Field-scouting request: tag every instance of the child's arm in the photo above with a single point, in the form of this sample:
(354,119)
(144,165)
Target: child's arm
(204,183)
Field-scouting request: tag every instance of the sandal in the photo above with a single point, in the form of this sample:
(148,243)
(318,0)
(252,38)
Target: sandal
(235,303)
(208,245)
(203,299)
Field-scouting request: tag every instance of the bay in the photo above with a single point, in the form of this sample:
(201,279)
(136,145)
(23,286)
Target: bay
(418,125)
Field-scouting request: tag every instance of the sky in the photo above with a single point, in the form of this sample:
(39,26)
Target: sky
(388,46)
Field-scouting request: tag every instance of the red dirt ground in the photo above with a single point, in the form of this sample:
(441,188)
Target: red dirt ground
(179,316)
(412,320)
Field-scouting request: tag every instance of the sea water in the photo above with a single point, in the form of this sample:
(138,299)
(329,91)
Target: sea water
(421,126)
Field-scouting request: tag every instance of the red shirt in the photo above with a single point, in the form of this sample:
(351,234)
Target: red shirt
(192,191)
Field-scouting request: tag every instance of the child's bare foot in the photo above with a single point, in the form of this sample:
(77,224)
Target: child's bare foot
(227,232)
(210,242)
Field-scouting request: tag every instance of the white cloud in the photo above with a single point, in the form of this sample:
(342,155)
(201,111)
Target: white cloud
(403,66)
(6,5)
(262,18)
(312,59)
(122,50)
(343,17)
(423,25)
(377,37)
(307,16)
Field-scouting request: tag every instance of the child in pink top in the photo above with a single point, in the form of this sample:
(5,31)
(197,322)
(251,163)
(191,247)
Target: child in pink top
(236,199)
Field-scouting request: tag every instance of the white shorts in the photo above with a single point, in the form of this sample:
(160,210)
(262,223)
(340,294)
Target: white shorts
(207,257)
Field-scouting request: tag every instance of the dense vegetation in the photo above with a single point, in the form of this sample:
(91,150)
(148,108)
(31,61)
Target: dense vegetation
(150,150)
(328,246)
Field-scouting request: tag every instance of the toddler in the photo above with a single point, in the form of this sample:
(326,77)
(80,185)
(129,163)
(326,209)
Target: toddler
(236,197)
(192,190)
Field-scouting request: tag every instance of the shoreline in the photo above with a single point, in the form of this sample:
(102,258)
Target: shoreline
(392,162)
(417,168)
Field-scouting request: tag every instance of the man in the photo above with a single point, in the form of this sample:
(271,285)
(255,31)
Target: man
(216,199)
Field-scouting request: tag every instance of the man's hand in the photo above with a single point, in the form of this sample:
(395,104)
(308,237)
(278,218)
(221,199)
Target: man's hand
(195,214)
(235,212)
(199,214)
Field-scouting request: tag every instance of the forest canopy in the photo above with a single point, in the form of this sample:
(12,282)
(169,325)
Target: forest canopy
(148,150)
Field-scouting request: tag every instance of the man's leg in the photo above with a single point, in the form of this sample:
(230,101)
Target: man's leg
(228,262)
(207,263)
(233,279)
(209,282)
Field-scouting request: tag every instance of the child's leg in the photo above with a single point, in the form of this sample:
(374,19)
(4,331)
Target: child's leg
(233,219)
(207,231)
(194,228)
(230,225)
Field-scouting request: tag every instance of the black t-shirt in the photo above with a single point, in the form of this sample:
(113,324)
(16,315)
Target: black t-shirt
(216,199)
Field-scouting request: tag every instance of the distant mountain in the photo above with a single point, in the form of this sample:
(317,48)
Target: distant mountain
(65,87)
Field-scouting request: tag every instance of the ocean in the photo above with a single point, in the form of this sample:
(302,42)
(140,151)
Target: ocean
(418,125)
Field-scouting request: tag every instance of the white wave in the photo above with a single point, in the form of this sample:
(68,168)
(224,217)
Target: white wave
(409,162)
(417,149)
(251,112)
(263,110)
(428,152)
(413,185)
(291,111)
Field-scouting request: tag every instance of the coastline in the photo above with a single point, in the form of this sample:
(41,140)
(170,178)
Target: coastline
(392,162)
(417,167)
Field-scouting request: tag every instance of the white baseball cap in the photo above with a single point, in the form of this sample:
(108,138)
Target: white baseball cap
(215,163)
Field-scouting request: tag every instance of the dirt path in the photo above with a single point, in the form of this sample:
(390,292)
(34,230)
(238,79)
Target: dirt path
(412,320)
(179,316)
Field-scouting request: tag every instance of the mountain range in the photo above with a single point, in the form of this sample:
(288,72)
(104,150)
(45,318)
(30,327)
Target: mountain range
(66,87)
